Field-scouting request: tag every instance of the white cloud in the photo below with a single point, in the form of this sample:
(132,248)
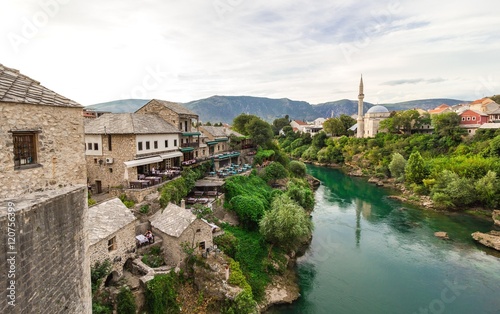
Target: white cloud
(95,51)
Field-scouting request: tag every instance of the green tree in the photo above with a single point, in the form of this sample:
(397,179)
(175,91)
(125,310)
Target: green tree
(260,131)
(488,190)
(249,209)
(397,166)
(347,121)
(280,123)
(415,170)
(334,126)
(274,171)
(297,168)
(319,139)
(286,224)
(447,127)
(240,122)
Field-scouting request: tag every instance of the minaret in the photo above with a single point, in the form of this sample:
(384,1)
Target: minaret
(361,123)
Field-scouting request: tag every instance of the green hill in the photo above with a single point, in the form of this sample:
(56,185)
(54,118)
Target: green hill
(226,108)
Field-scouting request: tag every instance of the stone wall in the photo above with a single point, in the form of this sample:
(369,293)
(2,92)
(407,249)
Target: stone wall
(172,245)
(166,114)
(125,249)
(60,148)
(122,149)
(51,269)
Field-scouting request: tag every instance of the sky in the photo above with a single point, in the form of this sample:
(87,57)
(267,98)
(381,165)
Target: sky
(97,51)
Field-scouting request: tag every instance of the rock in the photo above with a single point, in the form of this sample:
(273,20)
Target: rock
(283,289)
(441,234)
(491,239)
(496,217)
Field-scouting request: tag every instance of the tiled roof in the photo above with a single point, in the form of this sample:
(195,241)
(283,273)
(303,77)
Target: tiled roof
(18,88)
(173,220)
(107,218)
(299,122)
(177,108)
(475,111)
(129,123)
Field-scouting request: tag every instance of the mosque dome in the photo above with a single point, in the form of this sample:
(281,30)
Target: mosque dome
(378,109)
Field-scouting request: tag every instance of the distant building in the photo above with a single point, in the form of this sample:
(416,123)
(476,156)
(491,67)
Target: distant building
(368,124)
(92,114)
(111,235)
(471,120)
(440,109)
(304,127)
(43,199)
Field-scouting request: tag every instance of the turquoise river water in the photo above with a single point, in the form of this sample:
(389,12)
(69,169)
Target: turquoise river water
(370,254)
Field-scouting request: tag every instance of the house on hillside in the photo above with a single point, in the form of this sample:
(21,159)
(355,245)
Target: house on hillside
(304,127)
(111,235)
(440,109)
(176,226)
(43,198)
(124,147)
(185,121)
(471,120)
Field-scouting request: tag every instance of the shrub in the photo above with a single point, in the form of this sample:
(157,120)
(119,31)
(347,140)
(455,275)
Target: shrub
(125,301)
(161,294)
(98,272)
(91,202)
(144,209)
(154,258)
(297,168)
(227,243)
(397,165)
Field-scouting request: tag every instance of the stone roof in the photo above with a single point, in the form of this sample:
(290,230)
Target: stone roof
(490,125)
(177,108)
(18,88)
(129,123)
(107,218)
(173,220)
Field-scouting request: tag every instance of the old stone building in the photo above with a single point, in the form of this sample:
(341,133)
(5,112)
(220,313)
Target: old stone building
(176,225)
(111,235)
(43,200)
(120,146)
(183,119)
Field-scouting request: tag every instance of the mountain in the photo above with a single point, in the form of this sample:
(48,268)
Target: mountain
(226,108)
(119,106)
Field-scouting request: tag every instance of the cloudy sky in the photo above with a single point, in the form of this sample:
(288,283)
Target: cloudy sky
(96,51)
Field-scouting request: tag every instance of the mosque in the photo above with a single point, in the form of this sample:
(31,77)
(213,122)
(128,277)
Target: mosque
(368,124)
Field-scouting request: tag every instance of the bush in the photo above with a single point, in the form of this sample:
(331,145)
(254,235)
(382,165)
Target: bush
(98,272)
(154,258)
(125,301)
(144,209)
(397,165)
(228,243)
(249,209)
(273,172)
(297,168)
(91,202)
(161,294)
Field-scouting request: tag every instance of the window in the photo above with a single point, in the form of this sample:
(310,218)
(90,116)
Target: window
(180,126)
(196,153)
(147,145)
(185,126)
(110,170)
(473,118)
(95,160)
(166,143)
(96,146)
(155,144)
(112,244)
(468,118)
(109,142)
(25,152)
(89,146)
(463,118)
(175,142)
(202,245)
(139,146)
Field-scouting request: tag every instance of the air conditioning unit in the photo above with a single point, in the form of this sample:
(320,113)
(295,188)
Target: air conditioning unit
(109,160)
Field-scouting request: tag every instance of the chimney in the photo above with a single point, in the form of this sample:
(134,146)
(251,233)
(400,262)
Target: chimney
(183,204)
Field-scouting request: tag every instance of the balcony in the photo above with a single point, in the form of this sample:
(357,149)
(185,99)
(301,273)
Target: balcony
(192,144)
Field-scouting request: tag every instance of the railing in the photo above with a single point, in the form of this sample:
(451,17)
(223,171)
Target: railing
(192,144)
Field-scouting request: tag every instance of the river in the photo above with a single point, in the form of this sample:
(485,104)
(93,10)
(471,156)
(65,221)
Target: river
(370,254)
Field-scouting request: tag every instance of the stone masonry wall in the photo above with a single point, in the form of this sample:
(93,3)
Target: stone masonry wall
(172,246)
(166,114)
(122,149)
(51,271)
(125,249)
(60,148)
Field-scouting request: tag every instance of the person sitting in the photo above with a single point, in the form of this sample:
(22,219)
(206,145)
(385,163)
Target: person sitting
(150,236)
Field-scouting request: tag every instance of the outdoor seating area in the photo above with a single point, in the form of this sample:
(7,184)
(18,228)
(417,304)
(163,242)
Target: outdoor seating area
(154,177)
(232,169)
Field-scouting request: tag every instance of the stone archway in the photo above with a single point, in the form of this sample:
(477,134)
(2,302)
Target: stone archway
(111,279)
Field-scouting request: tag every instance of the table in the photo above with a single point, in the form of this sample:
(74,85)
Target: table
(142,239)
(154,180)
(139,184)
